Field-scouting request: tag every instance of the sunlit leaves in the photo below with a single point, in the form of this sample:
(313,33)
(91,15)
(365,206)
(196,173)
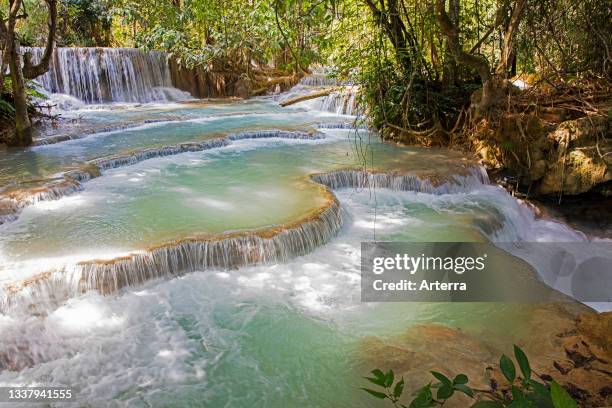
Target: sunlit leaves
(527,393)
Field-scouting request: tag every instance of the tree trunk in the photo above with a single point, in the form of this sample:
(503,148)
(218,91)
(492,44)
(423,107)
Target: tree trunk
(23,125)
(19,73)
(474,61)
(31,71)
(3,61)
(449,72)
(395,29)
(298,66)
(507,49)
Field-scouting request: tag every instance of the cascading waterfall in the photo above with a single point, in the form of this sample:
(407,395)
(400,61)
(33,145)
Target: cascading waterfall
(342,125)
(475,176)
(342,99)
(12,202)
(224,251)
(98,75)
(342,102)
(105,129)
(89,293)
(317,79)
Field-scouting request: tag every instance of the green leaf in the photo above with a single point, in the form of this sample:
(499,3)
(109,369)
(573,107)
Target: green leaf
(517,394)
(389,379)
(520,404)
(560,397)
(378,373)
(442,378)
(424,398)
(399,388)
(465,389)
(445,392)
(507,368)
(523,362)
(376,394)
(540,395)
(460,379)
(488,404)
(377,381)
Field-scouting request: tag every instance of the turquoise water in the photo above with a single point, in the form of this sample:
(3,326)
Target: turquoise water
(246,185)
(172,125)
(280,335)
(275,335)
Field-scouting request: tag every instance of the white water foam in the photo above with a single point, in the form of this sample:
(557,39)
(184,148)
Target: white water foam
(100,75)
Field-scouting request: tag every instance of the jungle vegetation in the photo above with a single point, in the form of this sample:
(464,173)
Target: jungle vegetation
(425,68)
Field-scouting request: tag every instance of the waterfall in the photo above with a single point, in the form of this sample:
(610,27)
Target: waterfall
(341,102)
(317,80)
(12,202)
(341,125)
(64,137)
(225,251)
(474,176)
(98,75)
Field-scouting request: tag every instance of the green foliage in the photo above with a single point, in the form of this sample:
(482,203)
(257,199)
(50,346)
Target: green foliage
(507,368)
(224,34)
(7,110)
(80,23)
(7,107)
(528,394)
(561,37)
(523,363)
(560,397)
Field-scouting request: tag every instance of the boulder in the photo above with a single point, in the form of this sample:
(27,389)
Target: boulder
(580,161)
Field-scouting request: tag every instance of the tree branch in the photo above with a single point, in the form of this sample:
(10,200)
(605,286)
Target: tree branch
(31,71)
(298,65)
(452,34)
(477,62)
(508,45)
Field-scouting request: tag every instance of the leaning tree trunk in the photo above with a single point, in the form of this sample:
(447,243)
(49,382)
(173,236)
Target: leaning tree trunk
(31,70)
(20,72)
(23,125)
(493,83)
(388,17)
(508,54)
(477,62)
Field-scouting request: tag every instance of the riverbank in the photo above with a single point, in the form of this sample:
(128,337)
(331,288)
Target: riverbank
(564,342)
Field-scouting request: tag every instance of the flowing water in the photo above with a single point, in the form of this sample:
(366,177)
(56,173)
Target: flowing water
(97,75)
(238,283)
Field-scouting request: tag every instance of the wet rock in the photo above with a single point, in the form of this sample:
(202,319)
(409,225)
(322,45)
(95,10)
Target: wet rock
(598,328)
(423,348)
(538,169)
(590,382)
(578,351)
(586,371)
(242,89)
(563,344)
(564,366)
(549,157)
(580,162)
